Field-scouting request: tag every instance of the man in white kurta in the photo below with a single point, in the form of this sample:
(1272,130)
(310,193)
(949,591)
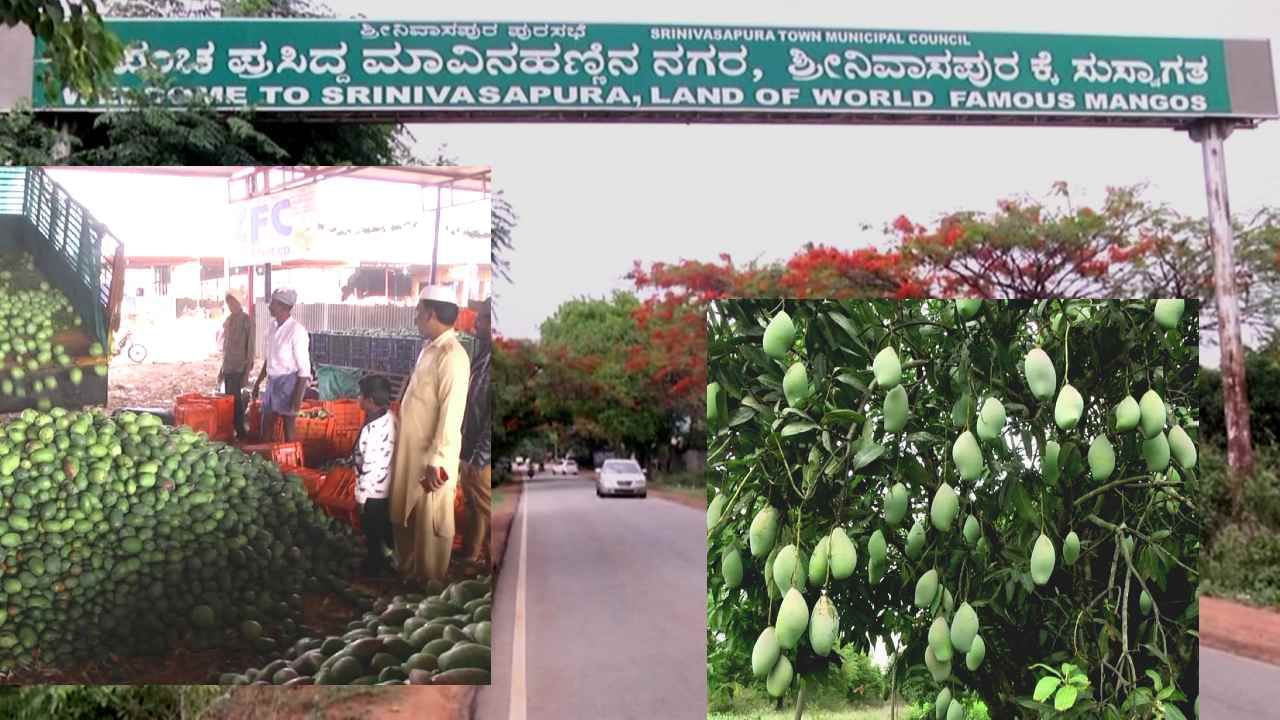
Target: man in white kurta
(429,442)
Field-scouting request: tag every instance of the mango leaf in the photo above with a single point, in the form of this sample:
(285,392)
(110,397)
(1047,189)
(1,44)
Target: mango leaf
(1065,699)
(1171,712)
(852,382)
(847,326)
(867,455)
(744,414)
(962,410)
(796,428)
(843,417)
(924,438)
(755,405)
(1045,688)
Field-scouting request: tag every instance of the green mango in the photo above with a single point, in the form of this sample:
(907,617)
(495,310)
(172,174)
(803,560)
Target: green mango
(939,669)
(1152,414)
(1127,414)
(1049,462)
(795,384)
(876,548)
(779,336)
(964,627)
(1144,603)
(915,540)
(787,572)
(819,563)
(895,504)
(968,307)
(942,703)
(764,532)
(793,618)
(940,639)
(1169,312)
(731,567)
(1071,548)
(1041,377)
(895,409)
(956,711)
(945,507)
(779,677)
(1155,450)
(714,510)
(875,572)
(926,589)
(948,602)
(1069,408)
(977,653)
(770,586)
(824,623)
(967,456)
(1180,445)
(886,368)
(715,398)
(765,653)
(972,531)
(844,555)
(991,419)
(1042,560)
(1102,458)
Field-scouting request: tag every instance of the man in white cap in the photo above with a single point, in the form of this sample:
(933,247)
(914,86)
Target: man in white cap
(429,441)
(237,354)
(287,366)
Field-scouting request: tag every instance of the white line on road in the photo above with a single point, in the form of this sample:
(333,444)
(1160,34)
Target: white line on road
(518,693)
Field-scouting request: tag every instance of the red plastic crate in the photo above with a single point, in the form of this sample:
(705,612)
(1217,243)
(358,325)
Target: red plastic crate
(312,480)
(342,442)
(225,405)
(199,416)
(282,454)
(346,414)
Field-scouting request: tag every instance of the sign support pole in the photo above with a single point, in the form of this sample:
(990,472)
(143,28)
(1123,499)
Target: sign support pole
(435,246)
(1210,134)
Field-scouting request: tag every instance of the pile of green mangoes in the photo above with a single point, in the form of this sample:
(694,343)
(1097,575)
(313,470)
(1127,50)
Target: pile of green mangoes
(954,630)
(122,536)
(442,638)
(31,314)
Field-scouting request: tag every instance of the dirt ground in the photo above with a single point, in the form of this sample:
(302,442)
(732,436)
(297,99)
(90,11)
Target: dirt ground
(688,497)
(155,385)
(1240,629)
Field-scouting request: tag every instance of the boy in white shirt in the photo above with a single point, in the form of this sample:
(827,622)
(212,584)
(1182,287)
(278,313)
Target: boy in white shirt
(372,462)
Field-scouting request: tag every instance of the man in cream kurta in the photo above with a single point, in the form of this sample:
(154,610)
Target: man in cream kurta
(429,442)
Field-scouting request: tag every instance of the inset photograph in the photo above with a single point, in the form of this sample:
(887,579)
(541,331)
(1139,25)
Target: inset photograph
(59,295)
(288,484)
(953,508)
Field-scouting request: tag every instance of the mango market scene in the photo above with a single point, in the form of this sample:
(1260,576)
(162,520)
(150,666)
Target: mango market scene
(249,442)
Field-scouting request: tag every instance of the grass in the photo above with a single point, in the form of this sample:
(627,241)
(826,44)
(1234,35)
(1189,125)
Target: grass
(866,713)
(684,481)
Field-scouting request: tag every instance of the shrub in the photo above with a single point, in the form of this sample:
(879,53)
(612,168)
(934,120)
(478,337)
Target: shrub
(1244,561)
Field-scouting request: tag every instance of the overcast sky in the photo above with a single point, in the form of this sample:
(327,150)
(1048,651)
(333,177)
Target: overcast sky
(593,198)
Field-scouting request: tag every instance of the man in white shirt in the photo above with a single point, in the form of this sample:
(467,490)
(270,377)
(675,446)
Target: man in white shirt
(286,368)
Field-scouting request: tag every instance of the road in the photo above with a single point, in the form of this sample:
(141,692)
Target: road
(600,609)
(1235,687)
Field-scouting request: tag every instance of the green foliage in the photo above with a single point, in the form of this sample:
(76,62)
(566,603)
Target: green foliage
(862,680)
(826,463)
(98,702)
(1262,379)
(82,53)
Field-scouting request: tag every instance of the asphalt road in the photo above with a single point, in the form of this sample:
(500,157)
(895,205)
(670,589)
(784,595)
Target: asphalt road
(1236,687)
(600,609)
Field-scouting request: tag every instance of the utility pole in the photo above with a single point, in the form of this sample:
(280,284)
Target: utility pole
(1210,134)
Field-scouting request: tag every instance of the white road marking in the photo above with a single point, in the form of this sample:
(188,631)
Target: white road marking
(519,699)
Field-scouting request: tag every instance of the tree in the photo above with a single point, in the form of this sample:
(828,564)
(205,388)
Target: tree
(82,53)
(587,344)
(514,373)
(824,460)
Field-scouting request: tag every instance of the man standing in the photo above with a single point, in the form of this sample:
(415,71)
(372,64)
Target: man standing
(477,473)
(429,442)
(237,355)
(287,366)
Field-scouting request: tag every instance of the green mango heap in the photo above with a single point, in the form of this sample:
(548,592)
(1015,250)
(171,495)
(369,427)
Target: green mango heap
(31,314)
(124,537)
(441,638)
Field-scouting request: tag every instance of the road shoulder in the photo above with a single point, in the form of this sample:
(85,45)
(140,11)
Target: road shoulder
(1240,629)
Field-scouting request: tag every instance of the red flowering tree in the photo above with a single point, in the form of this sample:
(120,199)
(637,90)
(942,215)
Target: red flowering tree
(672,316)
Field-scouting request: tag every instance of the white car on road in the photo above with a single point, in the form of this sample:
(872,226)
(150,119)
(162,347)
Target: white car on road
(567,466)
(621,477)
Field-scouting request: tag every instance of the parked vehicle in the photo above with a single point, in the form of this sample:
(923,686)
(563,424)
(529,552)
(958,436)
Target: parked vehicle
(567,466)
(621,477)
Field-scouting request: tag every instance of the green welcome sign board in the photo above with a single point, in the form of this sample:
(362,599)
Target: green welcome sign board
(314,66)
